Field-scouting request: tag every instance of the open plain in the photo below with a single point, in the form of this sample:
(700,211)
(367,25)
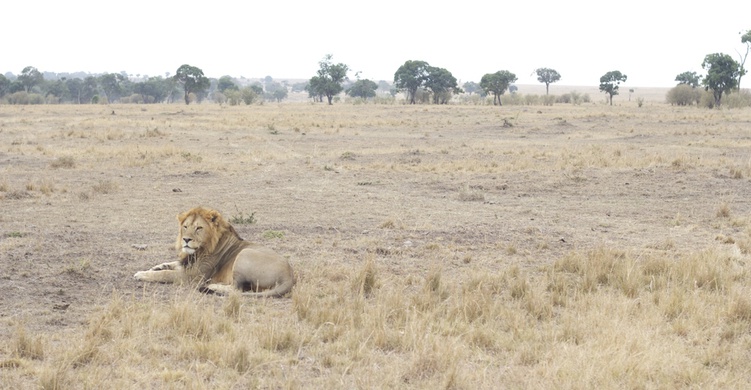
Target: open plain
(459,246)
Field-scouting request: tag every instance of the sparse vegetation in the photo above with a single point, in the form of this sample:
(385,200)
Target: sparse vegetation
(65,162)
(273,234)
(105,187)
(240,218)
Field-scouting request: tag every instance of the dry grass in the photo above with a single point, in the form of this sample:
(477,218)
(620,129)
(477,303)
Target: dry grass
(583,247)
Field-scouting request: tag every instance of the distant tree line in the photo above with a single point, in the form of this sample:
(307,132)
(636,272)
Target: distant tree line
(188,84)
(419,81)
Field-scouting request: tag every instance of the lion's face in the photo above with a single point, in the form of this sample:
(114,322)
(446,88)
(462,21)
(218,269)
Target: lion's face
(199,228)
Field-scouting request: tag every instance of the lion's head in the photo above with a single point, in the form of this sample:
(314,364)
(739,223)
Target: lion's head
(200,229)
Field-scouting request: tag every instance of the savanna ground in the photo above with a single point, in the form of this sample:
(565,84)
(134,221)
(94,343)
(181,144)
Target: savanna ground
(572,246)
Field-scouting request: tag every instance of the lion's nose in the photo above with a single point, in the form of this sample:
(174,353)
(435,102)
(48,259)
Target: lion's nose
(187,240)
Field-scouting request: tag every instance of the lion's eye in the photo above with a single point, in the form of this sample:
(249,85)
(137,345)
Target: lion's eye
(198,228)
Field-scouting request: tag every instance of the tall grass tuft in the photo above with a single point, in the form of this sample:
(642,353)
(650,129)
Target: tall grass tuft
(366,281)
(25,346)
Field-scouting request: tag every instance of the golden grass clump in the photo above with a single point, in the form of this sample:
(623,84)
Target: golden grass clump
(27,347)
(64,162)
(105,187)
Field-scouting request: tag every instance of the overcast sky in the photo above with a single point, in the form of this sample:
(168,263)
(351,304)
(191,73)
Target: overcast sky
(650,41)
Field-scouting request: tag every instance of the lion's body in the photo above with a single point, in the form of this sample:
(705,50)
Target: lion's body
(214,257)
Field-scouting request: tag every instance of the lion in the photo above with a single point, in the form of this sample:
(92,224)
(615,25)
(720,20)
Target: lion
(213,256)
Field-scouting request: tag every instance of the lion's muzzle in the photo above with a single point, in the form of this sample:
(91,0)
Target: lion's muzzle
(186,246)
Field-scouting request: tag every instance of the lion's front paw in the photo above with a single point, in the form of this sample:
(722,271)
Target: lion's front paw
(139,275)
(162,267)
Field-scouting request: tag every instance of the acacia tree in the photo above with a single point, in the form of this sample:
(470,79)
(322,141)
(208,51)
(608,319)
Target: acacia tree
(363,88)
(497,83)
(471,87)
(410,77)
(30,77)
(154,90)
(225,83)
(442,84)
(192,79)
(314,89)
(688,78)
(547,76)
(329,79)
(609,83)
(113,85)
(722,75)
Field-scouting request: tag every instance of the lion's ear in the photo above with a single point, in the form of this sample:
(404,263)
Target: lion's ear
(214,217)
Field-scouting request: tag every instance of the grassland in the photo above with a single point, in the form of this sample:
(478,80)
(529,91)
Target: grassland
(571,246)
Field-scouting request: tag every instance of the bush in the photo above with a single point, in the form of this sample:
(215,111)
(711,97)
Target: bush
(706,99)
(132,99)
(219,97)
(684,95)
(248,95)
(572,97)
(234,97)
(532,100)
(739,99)
(21,97)
(512,99)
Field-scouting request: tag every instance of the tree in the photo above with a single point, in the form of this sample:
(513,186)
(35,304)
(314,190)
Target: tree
(82,91)
(689,78)
(113,85)
(547,76)
(30,77)
(58,90)
(4,85)
(745,39)
(497,83)
(225,83)
(722,75)
(411,76)
(441,83)
(280,94)
(192,79)
(471,87)
(363,88)
(154,89)
(609,83)
(249,94)
(329,78)
(299,87)
(314,90)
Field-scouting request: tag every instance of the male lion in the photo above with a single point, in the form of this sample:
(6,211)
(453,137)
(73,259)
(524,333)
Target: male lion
(213,256)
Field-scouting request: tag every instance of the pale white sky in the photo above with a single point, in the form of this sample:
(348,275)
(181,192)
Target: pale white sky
(650,41)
